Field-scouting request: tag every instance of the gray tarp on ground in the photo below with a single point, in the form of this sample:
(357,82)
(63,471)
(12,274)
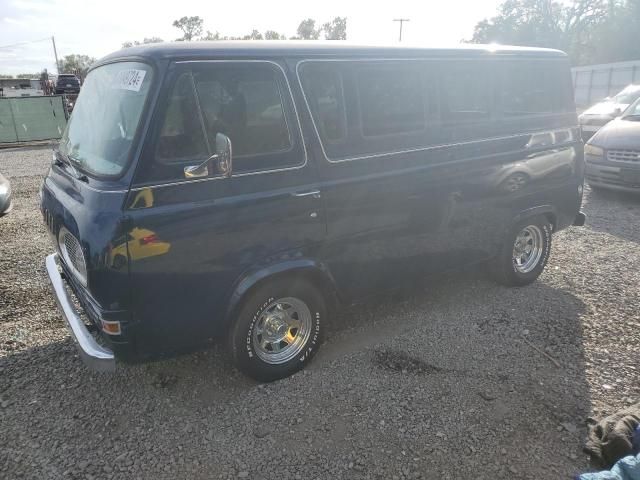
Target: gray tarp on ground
(26,119)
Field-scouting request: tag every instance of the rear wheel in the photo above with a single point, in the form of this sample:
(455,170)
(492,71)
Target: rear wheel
(525,252)
(278,329)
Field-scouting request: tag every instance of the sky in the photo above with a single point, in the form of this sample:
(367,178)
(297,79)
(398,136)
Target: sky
(96,28)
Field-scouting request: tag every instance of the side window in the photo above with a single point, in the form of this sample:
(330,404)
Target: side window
(244,102)
(526,90)
(247,101)
(181,135)
(391,100)
(323,88)
(466,92)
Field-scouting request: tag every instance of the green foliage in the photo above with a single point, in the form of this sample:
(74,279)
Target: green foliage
(78,64)
(254,35)
(336,29)
(211,36)
(28,75)
(590,31)
(4,75)
(144,41)
(307,30)
(273,35)
(191,27)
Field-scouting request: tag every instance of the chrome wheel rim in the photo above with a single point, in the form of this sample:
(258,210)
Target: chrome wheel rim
(527,249)
(282,330)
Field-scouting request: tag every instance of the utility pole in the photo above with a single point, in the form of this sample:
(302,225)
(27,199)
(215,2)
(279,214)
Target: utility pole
(55,53)
(401,20)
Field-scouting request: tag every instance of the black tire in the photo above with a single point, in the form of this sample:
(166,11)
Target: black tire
(242,345)
(504,268)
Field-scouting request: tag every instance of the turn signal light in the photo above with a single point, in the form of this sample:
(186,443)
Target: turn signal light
(112,328)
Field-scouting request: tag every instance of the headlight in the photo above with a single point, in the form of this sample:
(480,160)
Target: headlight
(593,150)
(72,255)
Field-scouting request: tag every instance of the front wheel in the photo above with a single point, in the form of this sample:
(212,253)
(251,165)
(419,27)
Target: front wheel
(525,252)
(278,329)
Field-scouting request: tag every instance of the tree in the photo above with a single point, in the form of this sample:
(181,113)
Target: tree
(211,36)
(307,30)
(336,29)
(4,75)
(273,35)
(546,23)
(191,27)
(28,75)
(145,40)
(254,35)
(616,39)
(78,64)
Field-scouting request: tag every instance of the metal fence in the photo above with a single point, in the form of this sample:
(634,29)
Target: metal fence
(595,82)
(28,119)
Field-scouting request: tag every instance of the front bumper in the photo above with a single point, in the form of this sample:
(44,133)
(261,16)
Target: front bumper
(610,176)
(94,355)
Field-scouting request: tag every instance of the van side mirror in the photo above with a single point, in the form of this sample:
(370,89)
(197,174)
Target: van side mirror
(221,162)
(617,112)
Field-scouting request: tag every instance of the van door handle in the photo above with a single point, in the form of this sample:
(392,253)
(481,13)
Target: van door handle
(311,193)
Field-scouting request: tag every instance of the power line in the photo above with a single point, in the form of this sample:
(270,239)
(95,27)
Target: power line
(25,43)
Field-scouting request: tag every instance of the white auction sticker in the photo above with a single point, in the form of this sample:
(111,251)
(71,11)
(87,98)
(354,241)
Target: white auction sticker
(129,79)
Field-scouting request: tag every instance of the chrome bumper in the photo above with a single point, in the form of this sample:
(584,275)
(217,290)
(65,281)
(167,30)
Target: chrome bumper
(94,355)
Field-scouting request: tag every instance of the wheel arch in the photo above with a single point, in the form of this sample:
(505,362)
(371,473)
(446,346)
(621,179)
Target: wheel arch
(307,269)
(547,211)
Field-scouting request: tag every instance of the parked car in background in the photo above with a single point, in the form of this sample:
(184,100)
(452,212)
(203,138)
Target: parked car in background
(248,191)
(613,154)
(597,116)
(5,196)
(67,83)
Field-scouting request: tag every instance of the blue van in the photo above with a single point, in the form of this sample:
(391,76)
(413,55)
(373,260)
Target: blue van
(246,190)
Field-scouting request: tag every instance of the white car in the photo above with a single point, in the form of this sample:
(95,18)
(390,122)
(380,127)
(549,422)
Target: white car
(5,196)
(597,116)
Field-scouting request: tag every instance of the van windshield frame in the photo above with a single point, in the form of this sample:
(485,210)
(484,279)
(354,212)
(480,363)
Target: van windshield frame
(92,163)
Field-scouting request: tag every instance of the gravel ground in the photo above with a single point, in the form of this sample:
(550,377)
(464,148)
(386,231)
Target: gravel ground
(440,381)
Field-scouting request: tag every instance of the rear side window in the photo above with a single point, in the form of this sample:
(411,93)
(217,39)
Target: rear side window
(390,100)
(324,91)
(526,91)
(535,87)
(466,90)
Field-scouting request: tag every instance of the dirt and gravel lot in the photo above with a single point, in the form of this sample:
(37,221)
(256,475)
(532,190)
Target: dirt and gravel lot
(437,382)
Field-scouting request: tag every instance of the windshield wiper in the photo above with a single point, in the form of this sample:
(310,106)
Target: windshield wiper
(66,160)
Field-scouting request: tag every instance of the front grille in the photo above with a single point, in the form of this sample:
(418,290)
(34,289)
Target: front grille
(72,254)
(627,156)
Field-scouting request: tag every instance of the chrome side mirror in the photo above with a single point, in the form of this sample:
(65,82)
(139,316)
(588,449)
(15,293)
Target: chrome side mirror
(197,171)
(221,162)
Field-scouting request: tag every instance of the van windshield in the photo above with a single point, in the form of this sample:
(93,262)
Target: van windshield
(100,133)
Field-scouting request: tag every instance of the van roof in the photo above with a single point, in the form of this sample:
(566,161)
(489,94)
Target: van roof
(274,48)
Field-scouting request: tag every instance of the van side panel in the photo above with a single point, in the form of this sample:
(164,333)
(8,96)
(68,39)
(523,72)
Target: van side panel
(445,199)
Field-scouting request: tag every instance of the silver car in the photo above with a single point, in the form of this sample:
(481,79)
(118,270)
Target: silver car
(597,116)
(5,196)
(612,155)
